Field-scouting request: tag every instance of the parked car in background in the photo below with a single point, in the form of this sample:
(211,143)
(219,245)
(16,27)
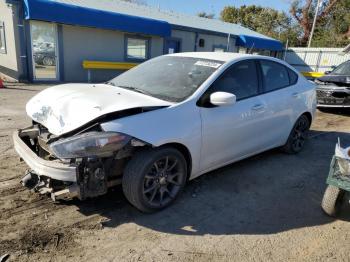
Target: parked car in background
(45,57)
(162,123)
(333,89)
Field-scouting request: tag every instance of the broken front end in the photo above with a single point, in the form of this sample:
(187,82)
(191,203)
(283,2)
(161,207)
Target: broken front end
(81,165)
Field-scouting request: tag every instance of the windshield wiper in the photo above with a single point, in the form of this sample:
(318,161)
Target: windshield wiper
(135,89)
(110,83)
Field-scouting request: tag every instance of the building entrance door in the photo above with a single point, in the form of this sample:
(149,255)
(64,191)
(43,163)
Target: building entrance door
(44,50)
(172,46)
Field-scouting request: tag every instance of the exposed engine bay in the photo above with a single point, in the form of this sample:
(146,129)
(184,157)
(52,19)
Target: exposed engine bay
(98,158)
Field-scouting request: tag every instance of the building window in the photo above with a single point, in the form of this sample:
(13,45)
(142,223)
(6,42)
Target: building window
(219,48)
(242,50)
(2,38)
(137,48)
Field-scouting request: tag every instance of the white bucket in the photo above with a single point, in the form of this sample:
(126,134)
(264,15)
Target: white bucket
(343,153)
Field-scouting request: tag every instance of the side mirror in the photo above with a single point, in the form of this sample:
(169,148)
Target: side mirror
(327,72)
(222,99)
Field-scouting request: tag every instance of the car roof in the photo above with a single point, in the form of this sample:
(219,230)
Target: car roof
(219,56)
(227,57)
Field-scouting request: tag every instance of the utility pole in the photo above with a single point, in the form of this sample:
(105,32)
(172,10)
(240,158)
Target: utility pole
(314,23)
(228,43)
(285,50)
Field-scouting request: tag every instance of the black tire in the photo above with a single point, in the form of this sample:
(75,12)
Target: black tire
(297,136)
(153,178)
(331,200)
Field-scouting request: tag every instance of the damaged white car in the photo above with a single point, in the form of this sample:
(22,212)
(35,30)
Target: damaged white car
(162,123)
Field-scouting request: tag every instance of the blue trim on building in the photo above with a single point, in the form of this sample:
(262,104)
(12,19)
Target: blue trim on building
(60,51)
(165,44)
(29,50)
(259,43)
(48,10)
(24,71)
(198,30)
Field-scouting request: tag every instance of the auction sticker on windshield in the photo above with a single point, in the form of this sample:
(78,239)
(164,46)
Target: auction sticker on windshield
(208,64)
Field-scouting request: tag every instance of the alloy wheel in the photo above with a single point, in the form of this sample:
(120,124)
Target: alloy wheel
(299,135)
(163,181)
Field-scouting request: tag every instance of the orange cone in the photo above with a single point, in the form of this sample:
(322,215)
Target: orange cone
(1,84)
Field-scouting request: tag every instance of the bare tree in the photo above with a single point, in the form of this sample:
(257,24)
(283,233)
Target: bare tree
(303,12)
(206,15)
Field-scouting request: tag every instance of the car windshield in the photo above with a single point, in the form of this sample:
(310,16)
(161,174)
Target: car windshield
(342,69)
(170,78)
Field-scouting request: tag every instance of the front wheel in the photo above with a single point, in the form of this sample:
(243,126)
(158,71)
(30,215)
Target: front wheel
(297,136)
(153,178)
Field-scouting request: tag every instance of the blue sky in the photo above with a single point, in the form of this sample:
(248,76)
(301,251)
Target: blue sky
(213,6)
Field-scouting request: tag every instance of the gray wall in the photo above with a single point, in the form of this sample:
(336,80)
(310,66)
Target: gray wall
(83,43)
(213,40)
(187,39)
(8,60)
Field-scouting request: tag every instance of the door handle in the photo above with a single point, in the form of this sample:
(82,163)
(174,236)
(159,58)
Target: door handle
(296,95)
(258,107)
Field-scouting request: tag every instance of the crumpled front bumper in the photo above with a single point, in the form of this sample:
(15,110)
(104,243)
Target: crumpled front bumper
(55,170)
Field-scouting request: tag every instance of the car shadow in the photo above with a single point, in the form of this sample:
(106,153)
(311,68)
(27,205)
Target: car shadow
(335,111)
(265,194)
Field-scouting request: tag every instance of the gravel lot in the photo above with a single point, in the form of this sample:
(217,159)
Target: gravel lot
(263,208)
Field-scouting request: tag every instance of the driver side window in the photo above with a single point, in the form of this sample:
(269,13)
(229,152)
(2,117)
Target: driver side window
(241,79)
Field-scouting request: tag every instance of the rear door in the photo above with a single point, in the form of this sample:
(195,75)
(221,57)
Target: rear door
(281,97)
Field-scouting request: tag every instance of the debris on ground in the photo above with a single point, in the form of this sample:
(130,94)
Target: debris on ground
(245,209)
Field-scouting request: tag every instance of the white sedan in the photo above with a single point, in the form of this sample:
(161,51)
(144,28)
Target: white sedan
(162,123)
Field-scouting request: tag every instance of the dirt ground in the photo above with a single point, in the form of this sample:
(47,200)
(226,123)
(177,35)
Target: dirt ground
(266,208)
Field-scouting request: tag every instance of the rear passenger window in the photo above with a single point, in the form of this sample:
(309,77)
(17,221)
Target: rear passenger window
(293,77)
(275,75)
(240,79)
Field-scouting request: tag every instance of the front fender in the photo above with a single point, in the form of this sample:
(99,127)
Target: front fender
(175,124)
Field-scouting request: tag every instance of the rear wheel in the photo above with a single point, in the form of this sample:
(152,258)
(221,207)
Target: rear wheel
(332,200)
(297,136)
(154,178)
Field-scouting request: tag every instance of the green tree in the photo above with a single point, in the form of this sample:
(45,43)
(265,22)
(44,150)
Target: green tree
(334,30)
(264,20)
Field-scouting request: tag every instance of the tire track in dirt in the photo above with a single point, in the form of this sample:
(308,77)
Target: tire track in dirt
(8,179)
(48,233)
(11,183)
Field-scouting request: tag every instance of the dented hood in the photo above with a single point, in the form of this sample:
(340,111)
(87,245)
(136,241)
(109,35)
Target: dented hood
(64,108)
